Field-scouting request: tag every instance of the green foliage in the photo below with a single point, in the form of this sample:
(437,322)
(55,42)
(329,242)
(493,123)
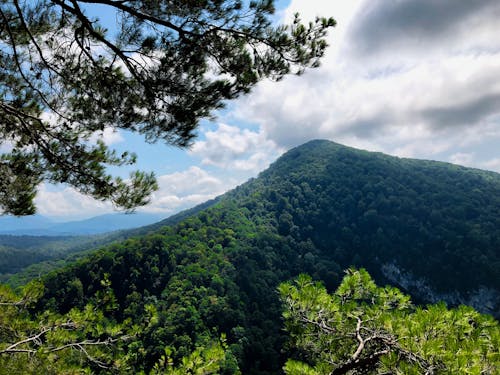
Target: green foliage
(65,78)
(18,252)
(24,258)
(202,361)
(81,341)
(362,328)
(319,209)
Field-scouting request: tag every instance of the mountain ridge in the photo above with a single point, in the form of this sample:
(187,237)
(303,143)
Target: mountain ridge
(419,225)
(39,225)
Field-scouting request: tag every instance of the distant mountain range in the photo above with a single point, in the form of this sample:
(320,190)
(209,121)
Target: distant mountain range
(38,225)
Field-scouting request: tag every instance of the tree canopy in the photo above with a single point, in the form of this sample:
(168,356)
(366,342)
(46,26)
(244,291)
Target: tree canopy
(168,64)
(86,341)
(359,329)
(319,209)
(366,329)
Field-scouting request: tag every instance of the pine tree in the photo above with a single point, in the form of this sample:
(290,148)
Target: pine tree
(64,78)
(365,329)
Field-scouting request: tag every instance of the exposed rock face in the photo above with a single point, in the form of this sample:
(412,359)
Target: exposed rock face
(483,299)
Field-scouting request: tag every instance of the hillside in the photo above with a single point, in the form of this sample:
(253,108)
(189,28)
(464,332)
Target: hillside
(25,257)
(431,228)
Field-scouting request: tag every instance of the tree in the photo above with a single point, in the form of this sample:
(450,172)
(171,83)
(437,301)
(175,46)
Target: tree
(365,329)
(65,78)
(81,341)
(201,361)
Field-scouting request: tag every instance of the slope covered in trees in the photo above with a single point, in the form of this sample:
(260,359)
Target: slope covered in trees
(421,224)
(359,329)
(23,258)
(431,228)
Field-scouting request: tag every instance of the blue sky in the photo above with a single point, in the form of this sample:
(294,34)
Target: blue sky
(411,78)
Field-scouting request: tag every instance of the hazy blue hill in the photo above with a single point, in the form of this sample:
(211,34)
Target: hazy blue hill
(38,240)
(431,228)
(13,224)
(38,225)
(107,223)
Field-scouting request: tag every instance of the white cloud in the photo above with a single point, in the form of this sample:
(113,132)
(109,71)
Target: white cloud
(462,158)
(177,191)
(413,28)
(235,148)
(109,136)
(492,165)
(181,190)
(471,160)
(432,98)
(67,203)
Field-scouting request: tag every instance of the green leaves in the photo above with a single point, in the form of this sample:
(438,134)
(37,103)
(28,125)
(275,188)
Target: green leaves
(202,361)
(50,343)
(362,328)
(20,176)
(64,78)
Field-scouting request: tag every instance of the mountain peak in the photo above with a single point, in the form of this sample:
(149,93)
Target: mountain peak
(429,228)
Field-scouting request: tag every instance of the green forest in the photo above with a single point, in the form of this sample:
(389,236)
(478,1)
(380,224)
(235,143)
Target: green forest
(331,261)
(212,290)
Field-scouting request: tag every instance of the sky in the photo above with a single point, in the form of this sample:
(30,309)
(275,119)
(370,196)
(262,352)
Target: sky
(410,78)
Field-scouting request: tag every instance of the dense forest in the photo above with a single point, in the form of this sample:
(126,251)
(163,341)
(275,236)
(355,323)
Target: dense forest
(430,228)
(17,253)
(24,258)
(360,328)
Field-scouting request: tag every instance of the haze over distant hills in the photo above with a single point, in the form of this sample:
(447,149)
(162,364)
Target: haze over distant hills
(38,225)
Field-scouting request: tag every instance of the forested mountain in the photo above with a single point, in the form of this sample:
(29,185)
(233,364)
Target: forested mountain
(23,258)
(431,228)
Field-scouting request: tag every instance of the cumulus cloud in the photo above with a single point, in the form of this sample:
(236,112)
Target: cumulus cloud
(109,136)
(181,190)
(68,203)
(411,78)
(407,25)
(236,148)
(177,191)
(465,113)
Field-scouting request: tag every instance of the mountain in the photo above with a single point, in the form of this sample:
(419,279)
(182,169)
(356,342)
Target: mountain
(106,223)
(13,224)
(430,228)
(38,225)
(24,257)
